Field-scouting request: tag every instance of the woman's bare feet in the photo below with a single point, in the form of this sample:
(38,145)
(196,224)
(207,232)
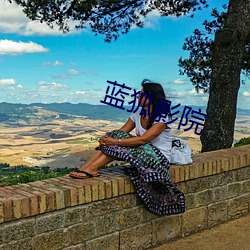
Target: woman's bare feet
(83,173)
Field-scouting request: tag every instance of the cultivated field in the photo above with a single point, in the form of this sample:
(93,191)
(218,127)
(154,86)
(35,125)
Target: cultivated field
(64,143)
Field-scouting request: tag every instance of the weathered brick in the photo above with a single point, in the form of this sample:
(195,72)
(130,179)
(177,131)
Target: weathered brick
(138,237)
(24,244)
(76,247)
(17,212)
(243,160)
(240,174)
(194,220)
(247,171)
(115,188)
(100,208)
(217,213)
(59,198)
(73,194)
(186,172)
(105,224)
(238,206)
(181,174)
(127,185)
(182,186)
(245,186)
(95,192)
(176,174)
(172,173)
(220,193)
(7,209)
(41,201)
(210,168)
(107,242)
(66,196)
(190,202)
(33,200)
(18,230)
(49,222)
(234,189)
(197,185)
(108,189)
(1,211)
(87,193)
(51,240)
(74,215)
(78,184)
(203,198)
(121,185)
(129,217)
(81,232)
(101,191)
(166,228)
(215,169)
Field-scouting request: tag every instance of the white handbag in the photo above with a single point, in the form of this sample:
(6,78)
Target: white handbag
(180,152)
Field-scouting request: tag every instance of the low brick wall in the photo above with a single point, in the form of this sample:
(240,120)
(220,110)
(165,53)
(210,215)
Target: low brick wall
(105,212)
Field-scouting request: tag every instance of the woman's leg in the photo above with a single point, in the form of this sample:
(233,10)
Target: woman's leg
(91,159)
(98,160)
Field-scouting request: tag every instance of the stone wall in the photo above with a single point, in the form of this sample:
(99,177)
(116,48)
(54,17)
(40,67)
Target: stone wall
(105,212)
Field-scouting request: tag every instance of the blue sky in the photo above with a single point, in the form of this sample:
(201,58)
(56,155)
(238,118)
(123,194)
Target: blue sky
(38,64)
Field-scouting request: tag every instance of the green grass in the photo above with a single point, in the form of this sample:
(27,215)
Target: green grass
(23,174)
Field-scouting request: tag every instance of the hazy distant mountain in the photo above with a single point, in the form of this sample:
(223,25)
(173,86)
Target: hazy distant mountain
(45,112)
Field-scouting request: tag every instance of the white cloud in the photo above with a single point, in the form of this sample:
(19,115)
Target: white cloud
(51,86)
(178,81)
(246,93)
(73,72)
(7,82)
(15,48)
(13,20)
(80,92)
(55,63)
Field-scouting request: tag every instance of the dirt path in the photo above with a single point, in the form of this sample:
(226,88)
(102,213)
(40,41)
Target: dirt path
(233,235)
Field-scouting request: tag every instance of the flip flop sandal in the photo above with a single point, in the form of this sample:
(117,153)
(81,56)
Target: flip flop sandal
(87,175)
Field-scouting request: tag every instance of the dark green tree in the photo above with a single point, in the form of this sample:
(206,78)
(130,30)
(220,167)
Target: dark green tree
(112,18)
(199,68)
(108,17)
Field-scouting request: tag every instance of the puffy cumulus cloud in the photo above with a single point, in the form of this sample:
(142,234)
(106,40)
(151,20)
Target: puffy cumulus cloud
(51,86)
(13,20)
(246,93)
(92,96)
(80,92)
(73,72)
(55,63)
(178,81)
(7,82)
(15,48)
(10,84)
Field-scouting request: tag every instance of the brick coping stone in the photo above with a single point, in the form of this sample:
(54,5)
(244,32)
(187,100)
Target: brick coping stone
(39,197)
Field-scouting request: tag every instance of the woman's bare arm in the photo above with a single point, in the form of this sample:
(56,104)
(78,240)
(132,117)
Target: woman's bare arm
(135,141)
(128,126)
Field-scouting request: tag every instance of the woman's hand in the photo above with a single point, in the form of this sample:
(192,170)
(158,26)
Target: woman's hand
(107,141)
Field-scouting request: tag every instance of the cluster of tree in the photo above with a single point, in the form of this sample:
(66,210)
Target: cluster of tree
(242,142)
(24,174)
(215,64)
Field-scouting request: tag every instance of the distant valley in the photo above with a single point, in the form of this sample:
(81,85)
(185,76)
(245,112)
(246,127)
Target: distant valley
(65,134)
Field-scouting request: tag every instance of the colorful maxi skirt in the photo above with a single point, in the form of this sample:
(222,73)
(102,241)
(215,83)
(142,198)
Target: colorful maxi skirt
(149,172)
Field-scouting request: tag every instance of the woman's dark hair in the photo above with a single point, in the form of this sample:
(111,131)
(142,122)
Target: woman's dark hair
(157,91)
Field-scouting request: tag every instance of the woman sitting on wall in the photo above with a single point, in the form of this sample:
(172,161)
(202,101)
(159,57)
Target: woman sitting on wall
(148,153)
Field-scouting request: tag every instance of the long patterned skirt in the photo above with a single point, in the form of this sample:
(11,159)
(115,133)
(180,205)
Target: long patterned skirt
(149,173)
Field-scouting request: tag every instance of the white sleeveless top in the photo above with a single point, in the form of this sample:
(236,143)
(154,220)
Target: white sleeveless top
(163,141)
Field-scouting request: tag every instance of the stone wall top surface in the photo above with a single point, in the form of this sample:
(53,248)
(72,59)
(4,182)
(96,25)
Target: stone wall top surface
(39,197)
